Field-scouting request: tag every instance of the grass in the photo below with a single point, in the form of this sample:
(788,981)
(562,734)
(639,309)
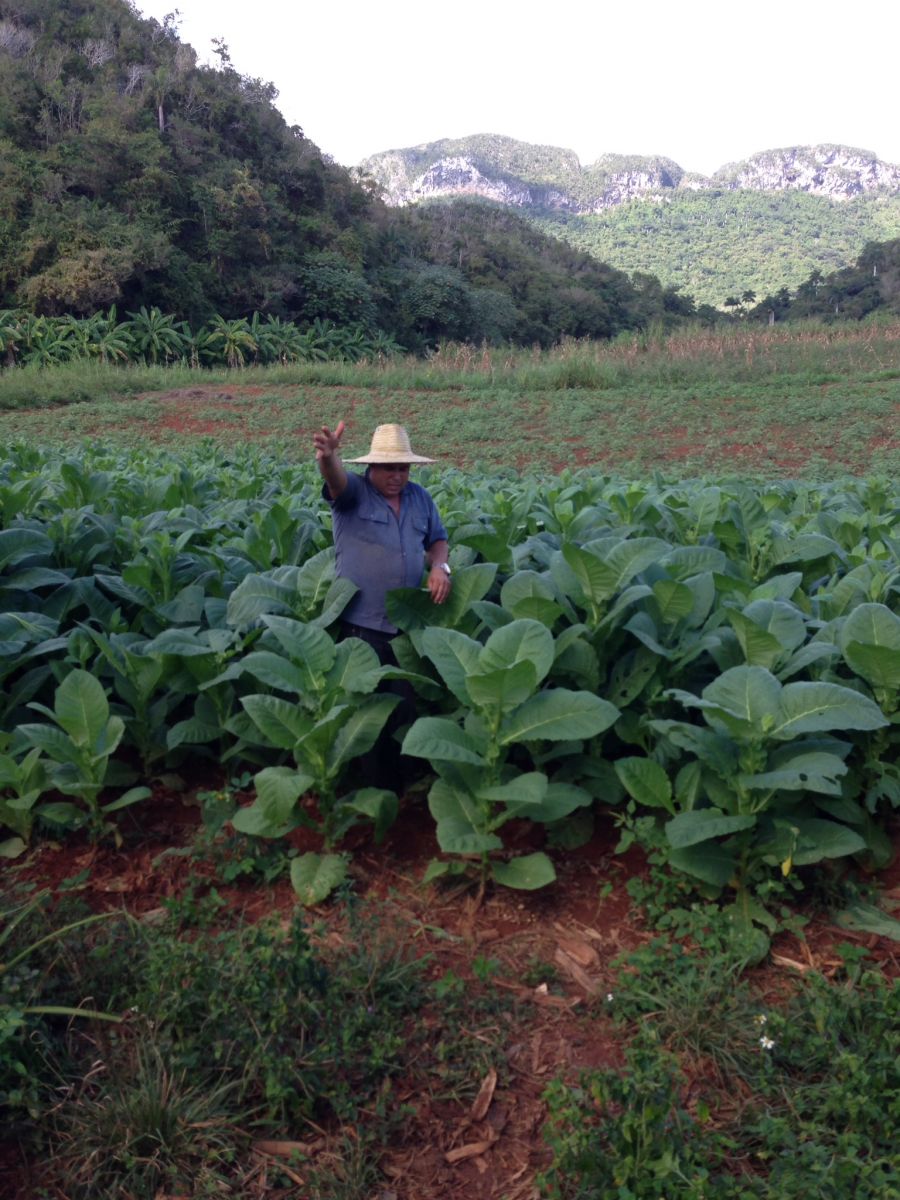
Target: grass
(722,1094)
(807,401)
(732,1097)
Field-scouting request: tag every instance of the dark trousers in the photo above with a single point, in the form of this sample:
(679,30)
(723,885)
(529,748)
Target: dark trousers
(384,766)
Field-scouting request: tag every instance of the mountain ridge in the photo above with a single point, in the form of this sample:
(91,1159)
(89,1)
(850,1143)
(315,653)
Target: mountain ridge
(532,175)
(757,225)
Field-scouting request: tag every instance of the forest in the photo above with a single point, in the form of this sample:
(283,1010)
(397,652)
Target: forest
(133,176)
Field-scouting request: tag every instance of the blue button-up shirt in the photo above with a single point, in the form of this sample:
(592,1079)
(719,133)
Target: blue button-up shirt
(376,549)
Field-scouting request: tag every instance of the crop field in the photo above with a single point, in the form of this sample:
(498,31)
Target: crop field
(809,403)
(629,928)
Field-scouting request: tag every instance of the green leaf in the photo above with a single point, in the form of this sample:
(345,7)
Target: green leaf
(355,669)
(524,790)
(192,732)
(254,596)
(51,741)
(646,782)
(502,689)
(440,740)
(315,876)
(307,644)
(673,600)
(81,708)
(703,824)
(558,714)
(378,804)
(708,861)
(361,729)
(519,641)
(877,665)
(132,796)
(12,847)
(761,648)
(804,547)
(276,671)
(455,655)
(824,839)
(811,771)
(815,707)
(529,594)
(281,722)
(749,693)
(872,625)
(273,812)
(559,801)
(455,835)
(602,576)
(182,643)
(18,544)
(410,608)
(528,873)
(867,918)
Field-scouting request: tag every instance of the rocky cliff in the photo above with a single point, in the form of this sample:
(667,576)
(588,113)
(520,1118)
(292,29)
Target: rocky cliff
(552,179)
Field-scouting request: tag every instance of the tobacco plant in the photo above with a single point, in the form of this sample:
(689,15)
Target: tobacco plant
(79,743)
(503,720)
(761,786)
(333,715)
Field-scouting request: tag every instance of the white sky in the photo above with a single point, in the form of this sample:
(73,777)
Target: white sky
(703,82)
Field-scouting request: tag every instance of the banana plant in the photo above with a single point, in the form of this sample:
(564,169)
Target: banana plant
(10,335)
(79,744)
(504,719)
(156,336)
(231,341)
(333,716)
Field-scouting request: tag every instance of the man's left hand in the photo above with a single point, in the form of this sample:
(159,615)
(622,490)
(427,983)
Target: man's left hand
(439,585)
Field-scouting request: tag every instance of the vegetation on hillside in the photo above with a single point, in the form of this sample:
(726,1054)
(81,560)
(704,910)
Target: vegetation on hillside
(712,245)
(871,285)
(132,175)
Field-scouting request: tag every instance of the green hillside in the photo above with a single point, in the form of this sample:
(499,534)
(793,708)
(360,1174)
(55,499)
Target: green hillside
(715,244)
(132,176)
(760,225)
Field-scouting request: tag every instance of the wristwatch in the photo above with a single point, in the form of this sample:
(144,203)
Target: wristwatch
(445,567)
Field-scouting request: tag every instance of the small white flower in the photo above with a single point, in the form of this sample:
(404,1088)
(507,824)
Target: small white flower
(761,1019)
(609,997)
(766,1043)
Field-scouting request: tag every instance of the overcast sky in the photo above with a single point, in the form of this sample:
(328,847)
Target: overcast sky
(700,81)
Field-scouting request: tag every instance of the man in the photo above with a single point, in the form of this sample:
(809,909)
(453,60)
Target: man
(386,530)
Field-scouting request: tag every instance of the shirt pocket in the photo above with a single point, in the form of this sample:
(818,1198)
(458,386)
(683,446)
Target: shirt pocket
(372,526)
(419,522)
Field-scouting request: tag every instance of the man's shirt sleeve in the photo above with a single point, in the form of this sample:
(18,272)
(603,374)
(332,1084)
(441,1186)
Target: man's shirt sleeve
(436,531)
(349,497)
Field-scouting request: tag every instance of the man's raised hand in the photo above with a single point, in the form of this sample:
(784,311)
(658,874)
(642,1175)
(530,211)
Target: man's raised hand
(327,443)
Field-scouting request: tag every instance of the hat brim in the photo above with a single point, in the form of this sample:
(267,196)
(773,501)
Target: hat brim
(375,460)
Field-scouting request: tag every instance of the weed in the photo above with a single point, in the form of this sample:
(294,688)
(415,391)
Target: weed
(134,1126)
(820,1089)
(627,1136)
(693,1002)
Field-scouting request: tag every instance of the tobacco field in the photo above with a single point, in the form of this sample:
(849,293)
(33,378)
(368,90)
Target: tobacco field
(700,676)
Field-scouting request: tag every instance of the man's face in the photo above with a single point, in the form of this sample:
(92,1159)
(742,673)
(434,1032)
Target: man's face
(389,478)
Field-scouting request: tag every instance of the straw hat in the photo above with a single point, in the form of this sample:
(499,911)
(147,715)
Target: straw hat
(390,444)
